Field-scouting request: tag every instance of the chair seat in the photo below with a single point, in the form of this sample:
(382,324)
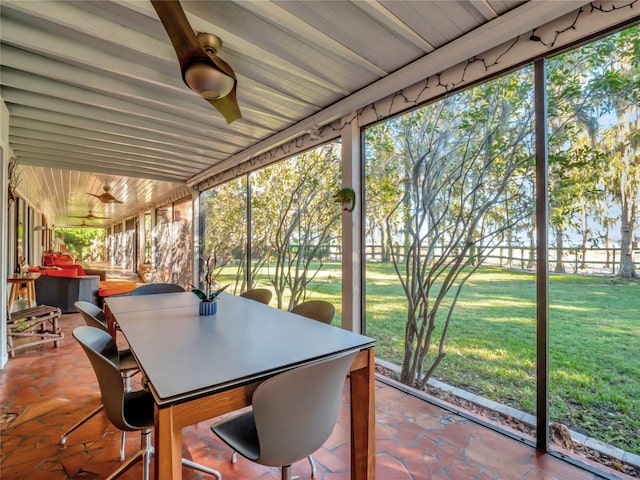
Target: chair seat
(127,360)
(138,409)
(240,433)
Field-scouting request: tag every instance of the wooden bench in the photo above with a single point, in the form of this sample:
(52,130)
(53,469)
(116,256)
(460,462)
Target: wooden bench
(40,324)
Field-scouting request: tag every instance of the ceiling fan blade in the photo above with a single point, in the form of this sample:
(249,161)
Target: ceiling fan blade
(89,217)
(190,52)
(227,105)
(78,225)
(94,195)
(104,198)
(182,36)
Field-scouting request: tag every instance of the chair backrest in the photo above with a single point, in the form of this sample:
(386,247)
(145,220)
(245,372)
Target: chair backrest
(319,310)
(262,295)
(127,410)
(155,288)
(295,411)
(92,314)
(103,355)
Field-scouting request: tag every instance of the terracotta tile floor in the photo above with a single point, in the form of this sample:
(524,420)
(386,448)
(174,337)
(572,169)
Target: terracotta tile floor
(46,390)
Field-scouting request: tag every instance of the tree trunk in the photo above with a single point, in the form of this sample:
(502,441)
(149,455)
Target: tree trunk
(559,251)
(385,255)
(627,223)
(585,239)
(532,249)
(607,245)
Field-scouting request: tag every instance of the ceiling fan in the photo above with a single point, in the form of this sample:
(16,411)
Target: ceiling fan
(89,216)
(84,224)
(105,197)
(202,70)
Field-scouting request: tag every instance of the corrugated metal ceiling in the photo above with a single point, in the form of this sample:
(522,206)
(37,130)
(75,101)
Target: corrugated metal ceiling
(96,97)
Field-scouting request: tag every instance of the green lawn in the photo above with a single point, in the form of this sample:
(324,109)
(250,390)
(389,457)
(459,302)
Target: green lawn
(594,343)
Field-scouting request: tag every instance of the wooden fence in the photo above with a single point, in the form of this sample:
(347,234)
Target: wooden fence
(592,261)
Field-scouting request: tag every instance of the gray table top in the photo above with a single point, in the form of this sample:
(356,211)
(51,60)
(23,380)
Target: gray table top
(185,355)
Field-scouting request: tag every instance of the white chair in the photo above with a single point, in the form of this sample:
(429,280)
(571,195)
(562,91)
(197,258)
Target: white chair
(319,310)
(292,414)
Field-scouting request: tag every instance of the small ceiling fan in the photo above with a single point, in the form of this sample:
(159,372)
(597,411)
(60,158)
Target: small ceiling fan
(105,197)
(84,224)
(89,216)
(202,70)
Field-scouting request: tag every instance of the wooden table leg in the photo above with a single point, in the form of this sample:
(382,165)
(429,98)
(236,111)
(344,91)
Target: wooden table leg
(14,295)
(168,446)
(31,294)
(363,421)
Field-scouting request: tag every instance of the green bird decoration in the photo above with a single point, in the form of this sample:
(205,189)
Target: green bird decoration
(347,197)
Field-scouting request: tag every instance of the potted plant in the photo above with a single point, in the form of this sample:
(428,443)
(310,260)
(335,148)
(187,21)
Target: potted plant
(208,296)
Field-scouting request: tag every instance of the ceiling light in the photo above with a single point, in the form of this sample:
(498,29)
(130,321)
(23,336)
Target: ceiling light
(208,81)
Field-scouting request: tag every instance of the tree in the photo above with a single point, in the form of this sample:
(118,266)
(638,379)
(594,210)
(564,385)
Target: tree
(593,110)
(464,160)
(225,229)
(382,179)
(296,219)
(619,80)
(574,161)
(465,164)
(79,240)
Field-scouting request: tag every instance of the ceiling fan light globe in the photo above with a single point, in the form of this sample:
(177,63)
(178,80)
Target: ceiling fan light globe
(208,82)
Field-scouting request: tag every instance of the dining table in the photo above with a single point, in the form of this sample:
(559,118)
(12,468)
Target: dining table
(201,367)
